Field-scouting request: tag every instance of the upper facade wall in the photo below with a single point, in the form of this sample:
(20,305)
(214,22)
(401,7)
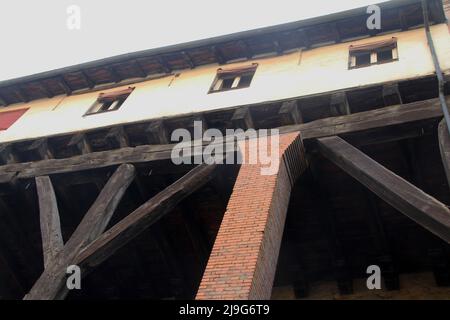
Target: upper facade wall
(288,76)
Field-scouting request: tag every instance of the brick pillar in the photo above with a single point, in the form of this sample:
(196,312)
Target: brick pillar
(243,260)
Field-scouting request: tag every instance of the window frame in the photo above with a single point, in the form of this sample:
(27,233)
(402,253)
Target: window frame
(120,98)
(246,71)
(373,53)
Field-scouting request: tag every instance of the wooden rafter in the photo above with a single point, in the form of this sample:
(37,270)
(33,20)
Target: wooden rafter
(402,195)
(50,284)
(52,240)
(89,245)
(354,123)
(444,146)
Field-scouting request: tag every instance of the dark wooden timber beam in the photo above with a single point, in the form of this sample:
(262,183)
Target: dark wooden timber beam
(7,153)
(157,133)
(278,48)
(290,113)
(45,90)
(64,85)
(140,69)
(144,216)
(331,230)
(52,240)
(246,48)
(118,137)
(374,119)
(440,261)
(218,55)
(51,283)
(188,59)
(21,94)
(378,118)
(444,146)
(114,75)
(377,230)
(402,19)
(391,95)
(335,28)
(90,83)
(242,118)
(41,147)
(80,142)
(339,104)
(3,101)
(163,63)
(402,195)
(304,38)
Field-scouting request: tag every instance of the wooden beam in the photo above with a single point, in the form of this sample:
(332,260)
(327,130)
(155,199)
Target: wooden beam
(41,147)
(218,55)
(242,118)
(246,48)
(335,28)
(377,230)
(7,153)
(51,283)
(329,222)
(45,90)
(391,95)
(402,195)
(89,246)
(64,85)
(99,214)
(3,101)
(444,147)
(304,38)
(441,266)
(163,64)
(403,19)
(157,132)
(118,137)
(21,94)
(290,113)
(81,143)
(52,240)
(339,104)
(188,59)
(141,70)
(144,216)
(278,48)
(358,122)
(114,75)
(90,83)
(378,118)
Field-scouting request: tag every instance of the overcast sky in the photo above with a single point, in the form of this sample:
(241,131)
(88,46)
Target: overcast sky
(35,37)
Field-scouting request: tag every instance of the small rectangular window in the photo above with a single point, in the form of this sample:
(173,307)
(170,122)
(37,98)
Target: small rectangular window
(109,101)
(373,53)
(233,78)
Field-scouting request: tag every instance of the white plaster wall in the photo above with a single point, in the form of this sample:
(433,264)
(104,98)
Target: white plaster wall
(291,75)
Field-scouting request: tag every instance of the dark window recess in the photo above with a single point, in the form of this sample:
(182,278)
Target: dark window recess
(373,53)
(362,59)
(384,55)
(233,79)
(109,101)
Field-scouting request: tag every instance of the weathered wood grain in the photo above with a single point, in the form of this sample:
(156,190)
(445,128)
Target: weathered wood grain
(444,146)
(402,195)
(52,240)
